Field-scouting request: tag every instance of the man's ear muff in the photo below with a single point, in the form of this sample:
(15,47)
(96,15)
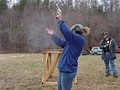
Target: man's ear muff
(78,30)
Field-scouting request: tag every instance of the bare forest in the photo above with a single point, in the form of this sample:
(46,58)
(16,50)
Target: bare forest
(22,27)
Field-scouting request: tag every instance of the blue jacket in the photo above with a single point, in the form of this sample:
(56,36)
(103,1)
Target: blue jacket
(73,45)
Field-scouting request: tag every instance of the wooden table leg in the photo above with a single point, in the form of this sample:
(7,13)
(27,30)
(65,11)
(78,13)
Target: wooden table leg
(53,64)
(45,56)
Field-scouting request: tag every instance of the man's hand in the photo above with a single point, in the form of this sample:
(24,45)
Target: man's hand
(105,46)
(49,31)
(59,16)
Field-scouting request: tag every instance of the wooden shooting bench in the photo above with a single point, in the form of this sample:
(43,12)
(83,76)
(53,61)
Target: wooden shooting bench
(50,59)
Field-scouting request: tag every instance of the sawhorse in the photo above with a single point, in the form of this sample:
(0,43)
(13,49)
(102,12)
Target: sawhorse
(49,65)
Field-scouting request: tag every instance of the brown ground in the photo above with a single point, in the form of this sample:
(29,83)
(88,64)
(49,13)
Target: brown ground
(24,72)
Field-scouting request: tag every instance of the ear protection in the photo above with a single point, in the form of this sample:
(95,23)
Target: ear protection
(78,30)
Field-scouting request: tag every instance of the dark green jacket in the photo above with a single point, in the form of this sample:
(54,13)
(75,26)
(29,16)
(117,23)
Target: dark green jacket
(112,48)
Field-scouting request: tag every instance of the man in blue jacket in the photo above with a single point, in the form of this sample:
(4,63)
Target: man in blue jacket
(73,45)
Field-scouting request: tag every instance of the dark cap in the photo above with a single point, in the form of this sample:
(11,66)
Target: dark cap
(105,33)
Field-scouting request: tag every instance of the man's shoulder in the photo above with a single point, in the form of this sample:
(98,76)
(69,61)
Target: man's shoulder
(102,40)
(112,39)
(79,36)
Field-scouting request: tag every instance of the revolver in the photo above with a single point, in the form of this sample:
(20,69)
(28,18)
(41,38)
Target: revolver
(58,9)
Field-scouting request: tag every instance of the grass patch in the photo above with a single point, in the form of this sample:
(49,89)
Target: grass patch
(34,65)
(24,72)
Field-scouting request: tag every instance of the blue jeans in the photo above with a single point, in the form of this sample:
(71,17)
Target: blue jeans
(106,61)
(65,80)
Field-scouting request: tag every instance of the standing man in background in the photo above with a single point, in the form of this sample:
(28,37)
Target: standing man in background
(72,48)
(108,46)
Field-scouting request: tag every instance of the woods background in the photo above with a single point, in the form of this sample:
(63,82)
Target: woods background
(22,27)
